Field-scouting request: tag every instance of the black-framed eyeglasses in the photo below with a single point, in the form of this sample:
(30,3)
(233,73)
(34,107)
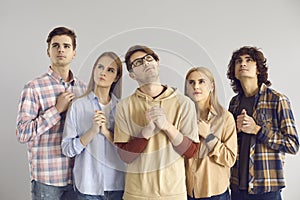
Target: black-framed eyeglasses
(140,61)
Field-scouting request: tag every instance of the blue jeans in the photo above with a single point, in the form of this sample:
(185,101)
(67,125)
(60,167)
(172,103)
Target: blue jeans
(41,191)
(224,196)
(243,195)
(108,195)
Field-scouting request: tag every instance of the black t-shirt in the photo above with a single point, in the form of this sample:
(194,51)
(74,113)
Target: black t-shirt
(247,103)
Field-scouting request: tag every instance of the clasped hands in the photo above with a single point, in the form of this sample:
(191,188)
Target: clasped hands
(99,121)
(157,120)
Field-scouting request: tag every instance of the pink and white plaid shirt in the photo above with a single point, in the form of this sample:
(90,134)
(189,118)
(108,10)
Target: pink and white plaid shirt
(40,126)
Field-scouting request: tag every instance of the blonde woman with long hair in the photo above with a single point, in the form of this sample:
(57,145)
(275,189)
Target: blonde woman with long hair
(208,172)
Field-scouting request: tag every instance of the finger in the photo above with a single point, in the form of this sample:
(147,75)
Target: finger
(156,117)
(68,97)
(244,112)
(240,118)
(204,122)
(97,118)
(152,113)
(65,94)
(148,116)
(158,112)
(98,123)
(103,118)
(156,109)
(100,112)
(72,95)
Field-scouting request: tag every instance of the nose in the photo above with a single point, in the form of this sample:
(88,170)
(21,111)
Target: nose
(145,62)
(102,73)
(196,86)
(243,63)
(61,49)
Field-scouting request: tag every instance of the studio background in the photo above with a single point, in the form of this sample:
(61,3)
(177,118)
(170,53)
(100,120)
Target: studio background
(217,28)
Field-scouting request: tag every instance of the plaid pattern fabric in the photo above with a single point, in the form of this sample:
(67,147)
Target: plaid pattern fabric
(278,135)
(40,126)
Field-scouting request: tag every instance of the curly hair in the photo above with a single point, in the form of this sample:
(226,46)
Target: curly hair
(261,63)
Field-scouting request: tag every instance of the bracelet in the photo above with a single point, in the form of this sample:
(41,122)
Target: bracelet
(209,138)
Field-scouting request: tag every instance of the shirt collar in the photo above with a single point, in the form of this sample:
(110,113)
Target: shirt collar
(92,96)
(263,88)
(212,113)
(58,78)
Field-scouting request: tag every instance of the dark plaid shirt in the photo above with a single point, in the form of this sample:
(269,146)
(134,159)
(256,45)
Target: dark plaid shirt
(277,136)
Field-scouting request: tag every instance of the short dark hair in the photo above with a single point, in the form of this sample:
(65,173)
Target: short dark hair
(261,62)
(136,48)
(62,31)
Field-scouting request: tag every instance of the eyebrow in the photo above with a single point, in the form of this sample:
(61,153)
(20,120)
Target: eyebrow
(112,67)
(109,66)
(200,79)
(246,56)
(140,57)
(56,43)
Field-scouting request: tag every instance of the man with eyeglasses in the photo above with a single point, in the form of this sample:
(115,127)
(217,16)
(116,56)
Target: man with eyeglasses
(154,130)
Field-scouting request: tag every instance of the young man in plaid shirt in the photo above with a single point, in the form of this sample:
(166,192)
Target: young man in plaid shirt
(265,125)
(41,114)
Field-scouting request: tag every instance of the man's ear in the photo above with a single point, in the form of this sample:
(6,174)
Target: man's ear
(132,75)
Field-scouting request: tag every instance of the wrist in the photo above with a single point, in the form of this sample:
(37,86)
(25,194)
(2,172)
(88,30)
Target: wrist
(107,134)
(83,141)
(95,130)
(58,110)
(167,126)
(177,140)
(209,138)
(147,132)
(257,129)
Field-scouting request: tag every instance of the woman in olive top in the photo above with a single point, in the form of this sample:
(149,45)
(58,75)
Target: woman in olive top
(208,172)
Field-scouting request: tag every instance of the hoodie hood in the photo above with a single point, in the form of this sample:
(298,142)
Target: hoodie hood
(169,93)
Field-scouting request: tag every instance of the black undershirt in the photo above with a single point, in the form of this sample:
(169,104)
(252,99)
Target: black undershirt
(247,103)
(163,90)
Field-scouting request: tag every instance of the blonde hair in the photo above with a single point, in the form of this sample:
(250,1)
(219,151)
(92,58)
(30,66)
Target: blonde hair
(214,102)
(116,87)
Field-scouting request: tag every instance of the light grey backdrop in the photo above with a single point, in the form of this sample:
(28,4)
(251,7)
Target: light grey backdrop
(214,29)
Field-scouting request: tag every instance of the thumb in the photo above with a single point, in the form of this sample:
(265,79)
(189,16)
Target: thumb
(244,112)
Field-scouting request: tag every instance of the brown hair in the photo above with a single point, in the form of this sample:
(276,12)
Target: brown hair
(62,31)
(116,87)
(260,60)
(136,48)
